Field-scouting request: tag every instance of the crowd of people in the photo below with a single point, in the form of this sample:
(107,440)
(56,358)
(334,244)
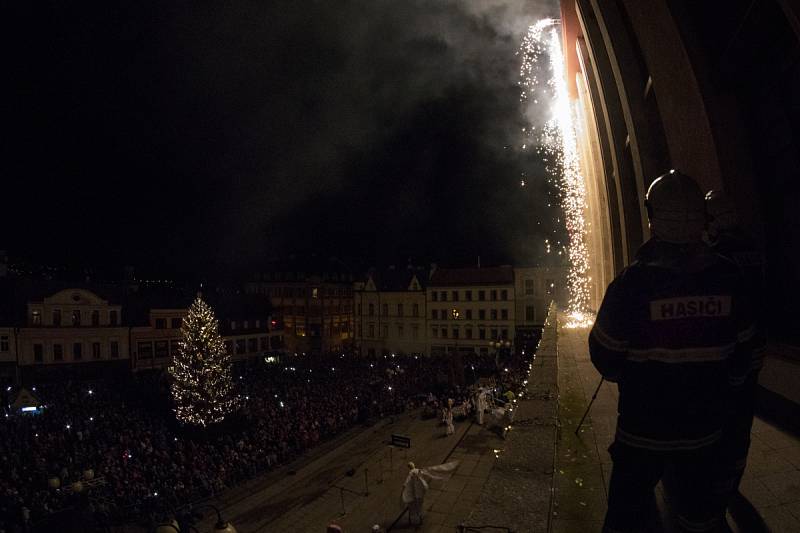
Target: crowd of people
(113,448)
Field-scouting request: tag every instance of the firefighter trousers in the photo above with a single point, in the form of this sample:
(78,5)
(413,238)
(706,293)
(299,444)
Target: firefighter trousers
(634,475)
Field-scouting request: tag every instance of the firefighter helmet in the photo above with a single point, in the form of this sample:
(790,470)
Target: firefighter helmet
(721,211)
(675,208)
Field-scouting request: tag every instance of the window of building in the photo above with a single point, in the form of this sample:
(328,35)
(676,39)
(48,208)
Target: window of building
(246,324)
(454,294)
(443,296)
(162,348)
(399,309)
(56,317)
(414,331)
(504,334)
(371,331)
(481,314)
(263,344)
(494,334)
(415,310)
(468,296)
(469,314)
(494,314)
(174,347)
(371,310)
(240,346)
(481,333)
(444,333)
(113,318)
(315,293)
(550,286)
(252,345)
(504,314)
(58,352)
(76,317)
(175,323)
(468,333)
(434,296)
(95,350)
(528,287)
(400,330)
(385,309)
(481,296)
(77,351)
(530,313)
(455,333)
(359,310)
(95,318)
(36,318)
(435,332)
(161,323)
(3,343)
(504,294)
(233,325)
(493,295)
(114,349)
(38,353)
(145,350)
(385,331)
(435,314)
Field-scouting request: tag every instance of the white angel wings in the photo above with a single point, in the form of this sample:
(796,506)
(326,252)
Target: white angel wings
(416,484)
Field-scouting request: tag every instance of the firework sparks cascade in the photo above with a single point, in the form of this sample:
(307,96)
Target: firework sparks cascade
(558,143)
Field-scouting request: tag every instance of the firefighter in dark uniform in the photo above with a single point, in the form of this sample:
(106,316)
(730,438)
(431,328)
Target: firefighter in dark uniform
(673,332)
(728,238)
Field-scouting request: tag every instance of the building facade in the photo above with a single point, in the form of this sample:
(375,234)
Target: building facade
(49,333)
(73,326)
(470,309)
(390,314)
(245,325)
(313,301)
(535,288)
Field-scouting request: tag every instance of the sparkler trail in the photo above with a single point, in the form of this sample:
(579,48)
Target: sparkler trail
(559,143)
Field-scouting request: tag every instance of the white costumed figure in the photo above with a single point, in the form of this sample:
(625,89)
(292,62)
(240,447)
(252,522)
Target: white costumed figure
(416,486)
(481,405)
(449,417)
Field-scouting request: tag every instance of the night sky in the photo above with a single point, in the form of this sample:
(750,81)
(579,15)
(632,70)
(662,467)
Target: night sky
(186,136)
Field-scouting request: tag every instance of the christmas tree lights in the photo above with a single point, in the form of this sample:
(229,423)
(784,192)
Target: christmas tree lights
(202,386)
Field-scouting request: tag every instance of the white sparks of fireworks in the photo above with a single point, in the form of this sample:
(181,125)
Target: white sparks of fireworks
(559,142)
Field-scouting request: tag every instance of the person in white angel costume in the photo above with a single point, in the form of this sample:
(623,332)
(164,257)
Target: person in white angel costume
(416,486)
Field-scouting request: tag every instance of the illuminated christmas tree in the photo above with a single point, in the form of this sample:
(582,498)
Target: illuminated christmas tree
(202,388)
